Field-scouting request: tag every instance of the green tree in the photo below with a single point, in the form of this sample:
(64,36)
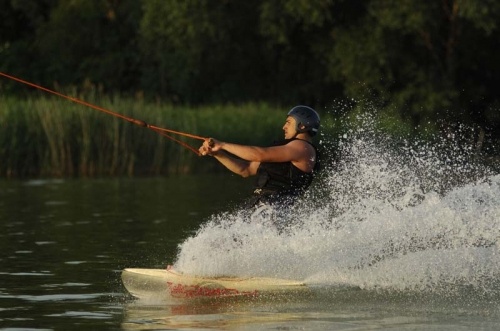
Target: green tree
(430,60)
(297,40)
(19,21)
(201,51)
(91,41)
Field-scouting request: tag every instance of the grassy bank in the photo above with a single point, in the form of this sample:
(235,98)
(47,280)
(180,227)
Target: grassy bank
(52,137)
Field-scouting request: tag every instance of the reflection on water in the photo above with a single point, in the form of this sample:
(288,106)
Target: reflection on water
(209,315)
(326,310)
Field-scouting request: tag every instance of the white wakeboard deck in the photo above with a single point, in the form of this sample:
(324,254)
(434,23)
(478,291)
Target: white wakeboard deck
(170,284)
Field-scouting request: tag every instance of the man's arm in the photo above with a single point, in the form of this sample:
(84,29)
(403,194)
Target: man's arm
(239,166)
(301,154)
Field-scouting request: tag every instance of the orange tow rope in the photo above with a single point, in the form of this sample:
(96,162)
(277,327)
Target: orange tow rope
(161,131)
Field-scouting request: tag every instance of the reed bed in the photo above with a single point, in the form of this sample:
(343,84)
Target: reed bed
(52,137)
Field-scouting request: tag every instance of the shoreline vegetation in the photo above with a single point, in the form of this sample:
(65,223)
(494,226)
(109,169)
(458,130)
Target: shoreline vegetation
(50,137)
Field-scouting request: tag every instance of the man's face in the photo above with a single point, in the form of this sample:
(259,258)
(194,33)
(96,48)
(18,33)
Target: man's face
(290,127)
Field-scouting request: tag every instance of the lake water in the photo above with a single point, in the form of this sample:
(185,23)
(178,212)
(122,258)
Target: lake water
(383,243)
(64,242)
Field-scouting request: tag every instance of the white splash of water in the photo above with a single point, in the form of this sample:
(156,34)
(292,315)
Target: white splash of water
(390,215)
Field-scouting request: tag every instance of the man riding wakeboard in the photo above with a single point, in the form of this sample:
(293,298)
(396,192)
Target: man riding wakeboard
(285,170)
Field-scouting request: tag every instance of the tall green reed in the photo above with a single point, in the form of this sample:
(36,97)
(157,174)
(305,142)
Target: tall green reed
(51,137)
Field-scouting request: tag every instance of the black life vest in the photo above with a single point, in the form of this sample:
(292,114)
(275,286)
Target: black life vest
(281,181)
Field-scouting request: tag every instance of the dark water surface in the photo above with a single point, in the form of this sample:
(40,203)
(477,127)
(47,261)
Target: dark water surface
(64,243)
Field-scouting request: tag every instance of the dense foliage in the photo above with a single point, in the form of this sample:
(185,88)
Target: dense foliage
(427,63)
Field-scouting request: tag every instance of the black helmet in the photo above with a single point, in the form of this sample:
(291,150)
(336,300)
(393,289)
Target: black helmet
(307,117)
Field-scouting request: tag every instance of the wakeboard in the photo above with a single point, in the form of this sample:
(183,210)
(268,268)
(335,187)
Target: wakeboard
(171,284)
